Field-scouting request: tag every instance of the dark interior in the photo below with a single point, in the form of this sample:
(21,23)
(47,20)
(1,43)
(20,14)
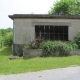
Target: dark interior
(50,32)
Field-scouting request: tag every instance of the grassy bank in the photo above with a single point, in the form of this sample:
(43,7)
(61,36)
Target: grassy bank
(34,64)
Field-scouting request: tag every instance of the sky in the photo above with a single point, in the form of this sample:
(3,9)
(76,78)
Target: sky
(10,7)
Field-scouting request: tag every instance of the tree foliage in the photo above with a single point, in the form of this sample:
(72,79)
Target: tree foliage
(2,32)
(6,35)
(8,39)
(66,7)
(9,29)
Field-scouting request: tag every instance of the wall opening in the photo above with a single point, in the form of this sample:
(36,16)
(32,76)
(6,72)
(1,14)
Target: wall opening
(50,32)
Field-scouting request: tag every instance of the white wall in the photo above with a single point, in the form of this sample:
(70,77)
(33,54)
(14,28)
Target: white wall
(24,29)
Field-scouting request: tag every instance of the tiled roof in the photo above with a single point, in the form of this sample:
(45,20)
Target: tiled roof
(46,16)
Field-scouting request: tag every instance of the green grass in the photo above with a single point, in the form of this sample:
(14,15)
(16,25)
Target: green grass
(34,64)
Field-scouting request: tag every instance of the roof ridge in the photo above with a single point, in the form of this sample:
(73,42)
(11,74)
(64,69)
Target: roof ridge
(44,16)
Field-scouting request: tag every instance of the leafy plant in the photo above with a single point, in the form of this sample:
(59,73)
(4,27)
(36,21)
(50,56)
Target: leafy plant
(8,40)
(26,46)
(35,44)
(47,48)
(72,45)
(77,38)
(58,48)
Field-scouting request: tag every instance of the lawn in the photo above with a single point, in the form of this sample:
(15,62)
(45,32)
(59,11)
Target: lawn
(33,64)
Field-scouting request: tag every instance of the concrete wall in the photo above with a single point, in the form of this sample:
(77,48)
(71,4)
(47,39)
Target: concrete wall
(24,29)
(28,53)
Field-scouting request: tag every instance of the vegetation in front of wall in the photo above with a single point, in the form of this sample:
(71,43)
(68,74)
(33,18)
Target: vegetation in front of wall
(35,44)
(26,46)
(58,48)
(77,39)
(72,45)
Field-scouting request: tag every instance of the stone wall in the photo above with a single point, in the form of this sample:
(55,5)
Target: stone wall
(75,52)
(32,53)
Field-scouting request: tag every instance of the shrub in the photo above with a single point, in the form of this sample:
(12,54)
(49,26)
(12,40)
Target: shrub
(47,48)
(8,40)
(72,45)
(36,44)
(26,46)
(77,38)
(62,48)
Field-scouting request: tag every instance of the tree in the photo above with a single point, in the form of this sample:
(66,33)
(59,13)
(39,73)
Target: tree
(9,30)
(6,35)
(3,32)
(66,7)
(8,39)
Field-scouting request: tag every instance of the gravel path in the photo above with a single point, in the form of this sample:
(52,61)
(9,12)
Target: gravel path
(70,73)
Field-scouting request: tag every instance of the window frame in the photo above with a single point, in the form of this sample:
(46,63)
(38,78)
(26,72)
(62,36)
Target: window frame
(56,32)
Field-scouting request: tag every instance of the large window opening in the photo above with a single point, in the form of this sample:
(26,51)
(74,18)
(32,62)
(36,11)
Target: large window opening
(51,32)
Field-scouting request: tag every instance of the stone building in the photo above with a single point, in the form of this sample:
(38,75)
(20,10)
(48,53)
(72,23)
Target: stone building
(28,27)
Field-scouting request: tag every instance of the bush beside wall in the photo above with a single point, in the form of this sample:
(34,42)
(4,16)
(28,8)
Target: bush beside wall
(77,39)
(53,48)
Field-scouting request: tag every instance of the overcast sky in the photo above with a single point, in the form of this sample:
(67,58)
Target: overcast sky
(10,7)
